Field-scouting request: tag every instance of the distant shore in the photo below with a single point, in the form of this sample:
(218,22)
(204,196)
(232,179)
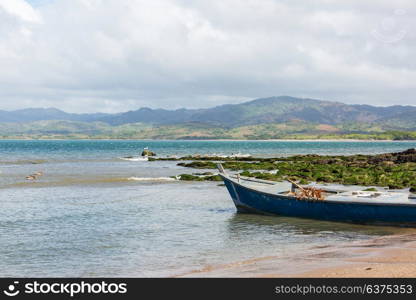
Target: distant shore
(308,140)
(204,140)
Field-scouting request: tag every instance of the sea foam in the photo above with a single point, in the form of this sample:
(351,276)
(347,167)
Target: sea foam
(152,178)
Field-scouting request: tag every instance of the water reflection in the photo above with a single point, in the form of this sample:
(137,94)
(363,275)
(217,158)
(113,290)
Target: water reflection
(254,223)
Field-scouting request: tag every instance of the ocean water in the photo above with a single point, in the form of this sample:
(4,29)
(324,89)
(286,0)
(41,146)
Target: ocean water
(93,214)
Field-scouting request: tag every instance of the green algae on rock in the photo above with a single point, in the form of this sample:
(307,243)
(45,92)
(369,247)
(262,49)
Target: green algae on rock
(395,170)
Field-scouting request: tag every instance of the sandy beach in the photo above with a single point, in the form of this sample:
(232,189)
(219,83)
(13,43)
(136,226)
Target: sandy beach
(386,256)
(393,256)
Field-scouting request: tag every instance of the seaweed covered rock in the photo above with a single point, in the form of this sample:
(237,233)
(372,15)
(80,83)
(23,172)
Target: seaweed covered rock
(393,170)
(409,151)
(147,152)
(213,178)
(407,156)
(189,177)
(203,174)
(199,165)
(399,157)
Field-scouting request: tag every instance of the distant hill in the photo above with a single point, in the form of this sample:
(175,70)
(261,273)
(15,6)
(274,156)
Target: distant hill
(273,117)
(274,110)
(266,110)
(45,114)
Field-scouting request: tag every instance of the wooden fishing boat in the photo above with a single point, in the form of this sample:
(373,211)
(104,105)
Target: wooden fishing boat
(337,203)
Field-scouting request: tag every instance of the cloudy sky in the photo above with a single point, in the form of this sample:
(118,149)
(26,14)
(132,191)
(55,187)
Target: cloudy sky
(117,55)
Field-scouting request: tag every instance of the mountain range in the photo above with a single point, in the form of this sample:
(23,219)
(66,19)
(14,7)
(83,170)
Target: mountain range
(285,111)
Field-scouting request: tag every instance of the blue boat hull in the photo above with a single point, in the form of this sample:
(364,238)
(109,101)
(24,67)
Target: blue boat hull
(249,200)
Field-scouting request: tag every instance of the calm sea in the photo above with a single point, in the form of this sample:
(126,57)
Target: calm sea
(93,214)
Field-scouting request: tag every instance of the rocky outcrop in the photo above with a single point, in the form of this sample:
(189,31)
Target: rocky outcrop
(399,157)
(147,152)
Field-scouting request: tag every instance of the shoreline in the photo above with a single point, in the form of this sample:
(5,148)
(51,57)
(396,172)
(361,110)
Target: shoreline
(211,140)
(383,257)
(394,258)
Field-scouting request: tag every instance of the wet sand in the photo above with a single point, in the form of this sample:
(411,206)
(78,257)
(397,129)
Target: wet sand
(386,256)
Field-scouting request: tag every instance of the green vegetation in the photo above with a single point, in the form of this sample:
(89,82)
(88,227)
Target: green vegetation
(294,129)
(393,170)
(197,177)
(281,117)
(370,190)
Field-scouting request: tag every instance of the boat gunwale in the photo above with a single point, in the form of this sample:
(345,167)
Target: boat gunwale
(313,200)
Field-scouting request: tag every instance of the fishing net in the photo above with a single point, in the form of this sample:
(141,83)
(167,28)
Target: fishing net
(309,193)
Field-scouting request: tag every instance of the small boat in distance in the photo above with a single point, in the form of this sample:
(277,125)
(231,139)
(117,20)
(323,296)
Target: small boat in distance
(342,204)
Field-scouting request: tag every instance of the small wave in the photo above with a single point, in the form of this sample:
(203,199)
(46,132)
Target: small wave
(24,162)
(83,181)
(152,178)
(135,158)
(66,181)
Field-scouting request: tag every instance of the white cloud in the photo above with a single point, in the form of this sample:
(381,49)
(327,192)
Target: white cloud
(20,9)
(111,55)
